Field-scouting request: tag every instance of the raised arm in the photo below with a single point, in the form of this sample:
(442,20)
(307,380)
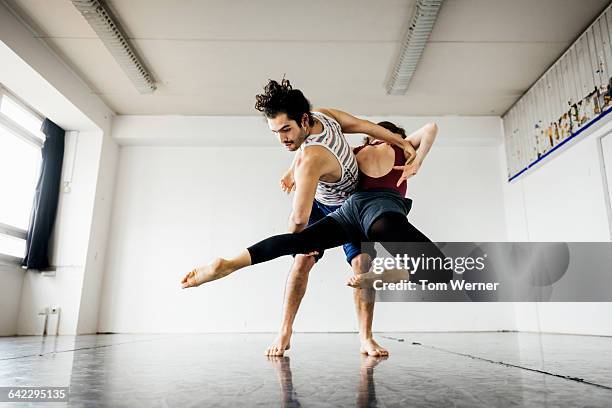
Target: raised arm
(352,124)
(422,139)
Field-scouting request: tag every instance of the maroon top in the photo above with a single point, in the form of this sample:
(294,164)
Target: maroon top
(389,180)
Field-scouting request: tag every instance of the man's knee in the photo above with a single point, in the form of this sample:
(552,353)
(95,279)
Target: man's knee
(303,264)
(361,263)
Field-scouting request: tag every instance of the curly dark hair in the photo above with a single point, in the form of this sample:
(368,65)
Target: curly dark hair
(282,98)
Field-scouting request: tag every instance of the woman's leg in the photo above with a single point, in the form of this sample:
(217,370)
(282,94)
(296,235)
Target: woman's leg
(399,237)
(394,227)
(327,233)
(324,234)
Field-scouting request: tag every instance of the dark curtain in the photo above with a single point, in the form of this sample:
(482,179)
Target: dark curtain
(46,198)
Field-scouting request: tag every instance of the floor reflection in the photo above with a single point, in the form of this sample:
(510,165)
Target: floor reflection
(366,392)
(366,389)
(325,370)
(282,366)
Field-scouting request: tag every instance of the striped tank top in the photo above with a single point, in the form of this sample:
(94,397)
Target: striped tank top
(334,140)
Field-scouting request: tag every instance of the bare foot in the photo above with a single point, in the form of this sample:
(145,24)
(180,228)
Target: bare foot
(366,280)
(363,280)
(372,348)
(280,344)
(217,269)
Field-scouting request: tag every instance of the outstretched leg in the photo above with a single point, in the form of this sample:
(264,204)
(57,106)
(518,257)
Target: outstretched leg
(217,269)
(324,234)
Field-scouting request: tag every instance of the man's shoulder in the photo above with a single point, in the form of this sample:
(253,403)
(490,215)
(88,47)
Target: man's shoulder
(325,111)
(316,155)
(329,113)
(314,152)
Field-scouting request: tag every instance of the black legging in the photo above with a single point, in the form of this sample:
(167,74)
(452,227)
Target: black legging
(391,229)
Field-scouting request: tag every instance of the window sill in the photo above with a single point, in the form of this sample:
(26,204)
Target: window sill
(9,260)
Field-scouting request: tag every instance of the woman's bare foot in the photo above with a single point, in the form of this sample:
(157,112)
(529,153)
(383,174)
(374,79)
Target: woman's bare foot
(217,269)
(363,280)
(370,347)
(280,344)
(366,280)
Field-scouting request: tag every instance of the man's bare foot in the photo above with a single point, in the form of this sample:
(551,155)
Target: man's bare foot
(280,344)
(217,269)
(372,348)
(366,280)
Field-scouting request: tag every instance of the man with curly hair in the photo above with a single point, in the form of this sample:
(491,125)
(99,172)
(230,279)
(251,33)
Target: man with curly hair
(323,174)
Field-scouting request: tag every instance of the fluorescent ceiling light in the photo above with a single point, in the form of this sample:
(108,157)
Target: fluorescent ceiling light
(414,41)
(100,18)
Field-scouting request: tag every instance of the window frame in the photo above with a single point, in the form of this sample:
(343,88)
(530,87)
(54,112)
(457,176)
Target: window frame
(17,130)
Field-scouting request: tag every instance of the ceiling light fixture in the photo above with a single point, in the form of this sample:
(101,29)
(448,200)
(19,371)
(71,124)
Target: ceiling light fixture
(423,19)
(100,18)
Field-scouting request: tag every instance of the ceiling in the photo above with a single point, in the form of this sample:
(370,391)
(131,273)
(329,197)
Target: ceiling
(210,57)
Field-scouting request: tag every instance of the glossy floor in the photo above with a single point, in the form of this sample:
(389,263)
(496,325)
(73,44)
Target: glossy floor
(424,369)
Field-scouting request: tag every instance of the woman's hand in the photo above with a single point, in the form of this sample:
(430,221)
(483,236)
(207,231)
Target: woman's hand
(287,182)
(409,169)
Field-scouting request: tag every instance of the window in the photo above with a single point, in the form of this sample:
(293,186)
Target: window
(20,158)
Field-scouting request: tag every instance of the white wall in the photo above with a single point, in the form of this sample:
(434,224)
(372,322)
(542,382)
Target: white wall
(177,207)
(98,237)
(32,70)
(10,297)
(562,199)
(69,247)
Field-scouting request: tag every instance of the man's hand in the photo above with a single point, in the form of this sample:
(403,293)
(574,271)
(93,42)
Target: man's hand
(287,182)
(409,152)
(409,169)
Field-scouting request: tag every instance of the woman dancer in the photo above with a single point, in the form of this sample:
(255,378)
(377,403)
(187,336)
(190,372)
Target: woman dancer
(376,212)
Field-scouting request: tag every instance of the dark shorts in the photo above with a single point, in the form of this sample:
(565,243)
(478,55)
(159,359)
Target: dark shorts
(319,211)
(361,209)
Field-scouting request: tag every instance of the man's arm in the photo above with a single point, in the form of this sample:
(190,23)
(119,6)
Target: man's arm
(287,181)
(294,162)
(351,124)
(307,175)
